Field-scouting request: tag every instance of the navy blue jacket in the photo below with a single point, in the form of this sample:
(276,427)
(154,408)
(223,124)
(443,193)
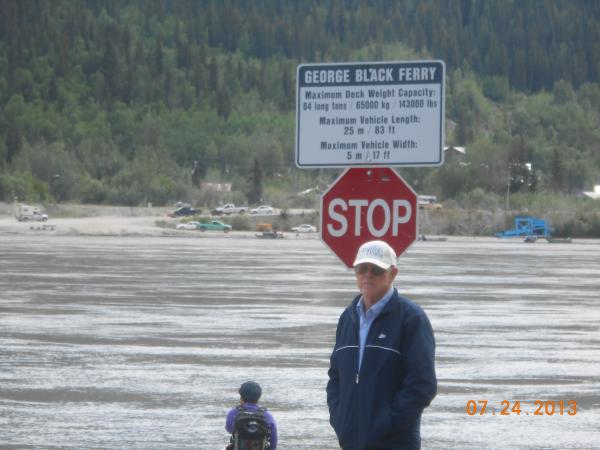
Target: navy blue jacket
(380,407)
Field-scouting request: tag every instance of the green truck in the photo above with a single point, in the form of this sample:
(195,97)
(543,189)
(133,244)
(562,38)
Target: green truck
(215,225)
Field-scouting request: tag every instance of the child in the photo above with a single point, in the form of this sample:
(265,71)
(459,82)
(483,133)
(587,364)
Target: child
(250,393)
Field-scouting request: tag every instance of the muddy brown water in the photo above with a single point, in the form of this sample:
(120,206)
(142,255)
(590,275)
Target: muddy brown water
(141,342)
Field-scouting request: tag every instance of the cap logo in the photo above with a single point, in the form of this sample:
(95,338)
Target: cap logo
(373,250)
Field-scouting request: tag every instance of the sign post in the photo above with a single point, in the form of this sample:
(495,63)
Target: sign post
(366,204)
(370,114)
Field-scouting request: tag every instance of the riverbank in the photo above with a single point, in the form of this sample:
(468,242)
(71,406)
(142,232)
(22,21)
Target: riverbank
(100,220)
(120,226)
(79,219)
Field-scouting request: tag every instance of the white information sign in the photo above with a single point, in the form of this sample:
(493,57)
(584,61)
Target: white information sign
(370,114)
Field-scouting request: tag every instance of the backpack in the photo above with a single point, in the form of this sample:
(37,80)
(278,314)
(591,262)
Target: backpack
(251,430)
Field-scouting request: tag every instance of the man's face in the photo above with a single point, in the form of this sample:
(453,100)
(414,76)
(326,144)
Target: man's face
(373,281)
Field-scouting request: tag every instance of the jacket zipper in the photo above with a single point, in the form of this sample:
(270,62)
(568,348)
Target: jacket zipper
(358,372)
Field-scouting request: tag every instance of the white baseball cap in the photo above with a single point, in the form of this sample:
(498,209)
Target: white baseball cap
(376,252)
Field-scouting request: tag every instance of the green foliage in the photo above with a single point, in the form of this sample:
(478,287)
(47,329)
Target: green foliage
(582,225)
(92,190)
(52,165)
(23,186)
(151,177)
(480,199)
(114,102)
(543,203)
(496,88)
(240,222)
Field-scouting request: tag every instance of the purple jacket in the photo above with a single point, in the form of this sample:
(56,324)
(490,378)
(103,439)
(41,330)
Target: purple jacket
(232,414)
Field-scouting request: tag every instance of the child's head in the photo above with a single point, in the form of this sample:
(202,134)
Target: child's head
(250,392)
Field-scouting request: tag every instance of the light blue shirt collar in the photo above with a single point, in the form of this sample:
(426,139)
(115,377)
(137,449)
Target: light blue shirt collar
(377,307)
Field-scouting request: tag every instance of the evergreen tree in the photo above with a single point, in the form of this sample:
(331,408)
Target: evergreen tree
(557,170)
(111,70)
(14,141)
(224,102)
(213,75)
(158,57)
(255,191)
(198,172)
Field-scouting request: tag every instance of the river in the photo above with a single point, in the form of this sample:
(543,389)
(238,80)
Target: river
(141,342)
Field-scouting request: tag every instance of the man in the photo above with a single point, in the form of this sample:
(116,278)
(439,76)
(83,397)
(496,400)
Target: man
(382,372)
(250,393)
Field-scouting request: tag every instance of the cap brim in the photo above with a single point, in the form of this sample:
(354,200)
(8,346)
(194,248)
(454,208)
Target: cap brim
(373,261)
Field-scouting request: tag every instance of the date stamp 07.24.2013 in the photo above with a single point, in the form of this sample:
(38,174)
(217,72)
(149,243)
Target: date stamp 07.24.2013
(522,408)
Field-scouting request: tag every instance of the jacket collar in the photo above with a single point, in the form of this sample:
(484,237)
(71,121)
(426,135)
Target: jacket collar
(391,304)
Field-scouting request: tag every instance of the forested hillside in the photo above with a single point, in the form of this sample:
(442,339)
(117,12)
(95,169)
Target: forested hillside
(107,101)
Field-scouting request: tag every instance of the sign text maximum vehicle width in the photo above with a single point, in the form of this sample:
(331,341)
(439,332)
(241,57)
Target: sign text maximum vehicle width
(370,114)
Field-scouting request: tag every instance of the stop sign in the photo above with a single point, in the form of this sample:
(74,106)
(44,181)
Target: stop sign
(364,204)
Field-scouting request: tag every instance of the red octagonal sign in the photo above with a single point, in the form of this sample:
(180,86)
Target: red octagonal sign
(364,204)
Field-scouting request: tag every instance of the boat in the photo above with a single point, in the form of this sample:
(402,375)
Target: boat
(566,240)
(270,235)
(432,239)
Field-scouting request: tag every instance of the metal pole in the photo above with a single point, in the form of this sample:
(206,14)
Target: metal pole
(507,190)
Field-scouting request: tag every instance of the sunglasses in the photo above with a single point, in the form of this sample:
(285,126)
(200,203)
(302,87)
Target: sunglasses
(362,269)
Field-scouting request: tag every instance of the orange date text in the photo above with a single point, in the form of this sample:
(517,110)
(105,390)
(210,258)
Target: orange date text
(522,408)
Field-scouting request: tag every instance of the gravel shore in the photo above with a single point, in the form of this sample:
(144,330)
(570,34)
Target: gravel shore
(119,226)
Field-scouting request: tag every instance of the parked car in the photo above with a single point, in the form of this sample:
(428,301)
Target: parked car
(304,228)
(229,208)
(431,206)
(185,211)
(215,225)
(188,226)
(262,210)
(429,202)
(36,216)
